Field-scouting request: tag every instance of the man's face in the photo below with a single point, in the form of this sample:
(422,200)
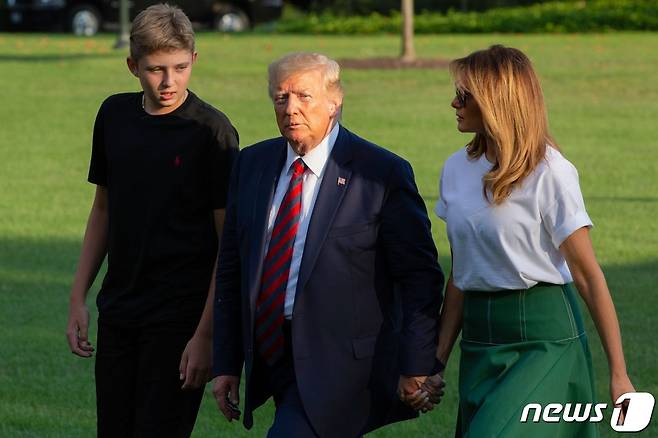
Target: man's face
(305,110)
(164,76)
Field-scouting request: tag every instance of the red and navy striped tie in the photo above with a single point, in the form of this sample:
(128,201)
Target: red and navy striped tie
(270,303)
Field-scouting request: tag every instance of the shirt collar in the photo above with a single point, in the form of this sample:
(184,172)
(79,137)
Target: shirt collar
(316,158)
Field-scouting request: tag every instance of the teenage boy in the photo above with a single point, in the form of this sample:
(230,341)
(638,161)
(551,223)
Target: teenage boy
(160,160)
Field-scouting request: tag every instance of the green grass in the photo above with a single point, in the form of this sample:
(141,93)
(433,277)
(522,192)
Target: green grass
(602,94)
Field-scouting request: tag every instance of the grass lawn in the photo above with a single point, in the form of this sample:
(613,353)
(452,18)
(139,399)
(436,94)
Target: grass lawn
(602,95)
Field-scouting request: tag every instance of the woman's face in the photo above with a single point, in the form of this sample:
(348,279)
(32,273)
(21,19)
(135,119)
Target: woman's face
(469,117)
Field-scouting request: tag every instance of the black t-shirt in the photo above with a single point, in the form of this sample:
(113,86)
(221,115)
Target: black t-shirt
(164,175)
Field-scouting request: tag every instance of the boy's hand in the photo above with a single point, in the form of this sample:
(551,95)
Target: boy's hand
(77,330)
(195,362)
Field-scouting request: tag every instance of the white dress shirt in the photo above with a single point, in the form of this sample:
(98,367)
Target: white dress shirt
(315,160)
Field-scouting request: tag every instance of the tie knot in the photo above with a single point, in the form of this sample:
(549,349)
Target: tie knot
(298,167)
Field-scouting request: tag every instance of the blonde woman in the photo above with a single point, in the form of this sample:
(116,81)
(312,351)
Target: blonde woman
(519,234)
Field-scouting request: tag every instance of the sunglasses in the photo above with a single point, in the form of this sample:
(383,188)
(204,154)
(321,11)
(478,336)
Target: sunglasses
(462,97)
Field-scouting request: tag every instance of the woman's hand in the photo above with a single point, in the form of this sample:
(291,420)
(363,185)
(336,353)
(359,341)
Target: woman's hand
(434,387)
(619,385)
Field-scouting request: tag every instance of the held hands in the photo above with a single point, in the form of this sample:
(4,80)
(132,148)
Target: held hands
(77,330)
(421,393)
(225,390)
(195,362)
(434,386)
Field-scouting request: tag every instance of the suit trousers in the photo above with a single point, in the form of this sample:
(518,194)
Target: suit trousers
(138,390)
(290,420)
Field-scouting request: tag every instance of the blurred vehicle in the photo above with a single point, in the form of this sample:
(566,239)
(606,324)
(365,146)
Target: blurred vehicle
(87,17)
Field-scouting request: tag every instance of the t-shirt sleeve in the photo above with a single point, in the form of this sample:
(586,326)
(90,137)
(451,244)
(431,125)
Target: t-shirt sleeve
(561,204)
(440,209)
(224,153)
(98,164)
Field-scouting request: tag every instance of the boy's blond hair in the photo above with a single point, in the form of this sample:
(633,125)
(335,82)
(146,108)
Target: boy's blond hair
(160,27)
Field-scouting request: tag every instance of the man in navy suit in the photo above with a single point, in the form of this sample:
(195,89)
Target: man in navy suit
(328,285)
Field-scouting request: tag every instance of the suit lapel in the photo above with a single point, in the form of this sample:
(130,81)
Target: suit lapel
(334,183)
(269,175)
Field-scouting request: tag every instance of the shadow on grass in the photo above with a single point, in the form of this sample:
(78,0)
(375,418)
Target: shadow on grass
(625,199)
(35,277)
(34,255)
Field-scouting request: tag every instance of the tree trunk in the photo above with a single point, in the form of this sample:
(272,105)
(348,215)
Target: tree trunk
(408,51)
(123,37)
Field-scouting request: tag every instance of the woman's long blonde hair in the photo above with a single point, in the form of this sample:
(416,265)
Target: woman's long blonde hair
(504,85)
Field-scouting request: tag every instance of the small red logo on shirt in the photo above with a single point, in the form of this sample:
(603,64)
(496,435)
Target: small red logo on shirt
(177,161)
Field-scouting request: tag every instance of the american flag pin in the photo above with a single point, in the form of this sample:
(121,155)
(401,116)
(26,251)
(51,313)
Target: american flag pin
(341,181)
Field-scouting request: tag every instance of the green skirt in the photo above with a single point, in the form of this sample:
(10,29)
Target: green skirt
(521,347)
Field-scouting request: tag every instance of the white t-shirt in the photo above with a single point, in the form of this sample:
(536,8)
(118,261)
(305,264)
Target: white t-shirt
(513,245)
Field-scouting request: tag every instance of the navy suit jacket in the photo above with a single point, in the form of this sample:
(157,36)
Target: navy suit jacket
(369,288)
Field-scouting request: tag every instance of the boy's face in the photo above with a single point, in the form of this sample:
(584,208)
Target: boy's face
(164,76)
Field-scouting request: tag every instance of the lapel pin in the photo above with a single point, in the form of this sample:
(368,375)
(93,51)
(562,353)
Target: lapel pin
(341,181)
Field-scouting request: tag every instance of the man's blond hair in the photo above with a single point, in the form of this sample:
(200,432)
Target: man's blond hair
(160,27)
(301,62)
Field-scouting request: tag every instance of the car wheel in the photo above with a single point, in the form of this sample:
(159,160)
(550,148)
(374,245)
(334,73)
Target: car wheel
(85,20)
(231,20)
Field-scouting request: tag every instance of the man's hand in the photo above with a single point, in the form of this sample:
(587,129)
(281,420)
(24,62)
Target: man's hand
(77,330)
(225,390)
(410,392)
(195,362)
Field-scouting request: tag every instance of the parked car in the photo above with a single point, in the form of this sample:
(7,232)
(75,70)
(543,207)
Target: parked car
(87,17)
